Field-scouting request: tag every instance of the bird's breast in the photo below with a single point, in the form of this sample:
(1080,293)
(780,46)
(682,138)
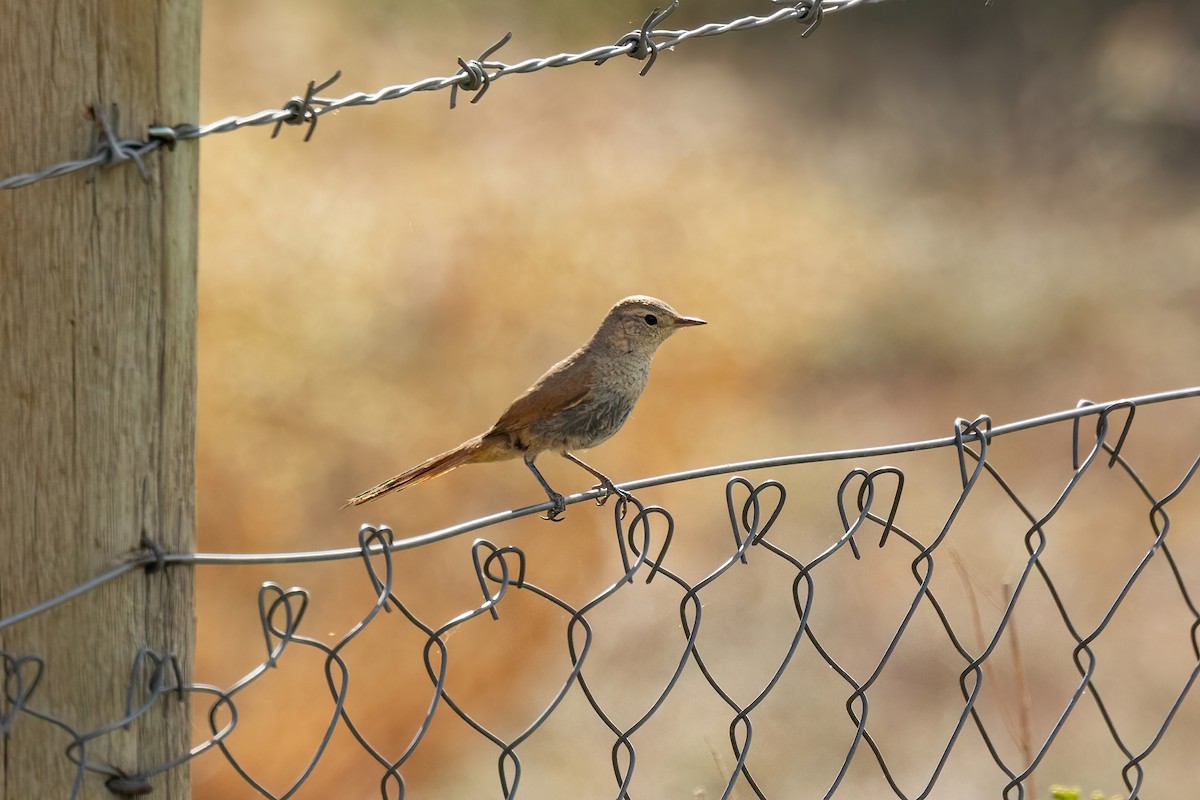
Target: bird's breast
(616,386)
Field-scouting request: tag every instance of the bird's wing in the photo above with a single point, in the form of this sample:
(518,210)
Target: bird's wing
(565,385)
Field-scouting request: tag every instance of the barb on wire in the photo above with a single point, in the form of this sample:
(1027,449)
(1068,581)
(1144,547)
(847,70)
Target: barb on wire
(474,76)
(114,150)
(806,11)
(477,75)
(303,110)
(639,44)
(109,149)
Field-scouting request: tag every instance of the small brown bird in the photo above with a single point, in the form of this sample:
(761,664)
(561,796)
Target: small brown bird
(580,402)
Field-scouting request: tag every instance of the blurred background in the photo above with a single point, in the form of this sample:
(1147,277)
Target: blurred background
(925,210)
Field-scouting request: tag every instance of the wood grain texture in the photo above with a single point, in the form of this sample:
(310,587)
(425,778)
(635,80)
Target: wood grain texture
(97,376)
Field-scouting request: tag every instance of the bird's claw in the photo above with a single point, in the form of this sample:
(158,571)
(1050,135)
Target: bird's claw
(607,489)
(558,506)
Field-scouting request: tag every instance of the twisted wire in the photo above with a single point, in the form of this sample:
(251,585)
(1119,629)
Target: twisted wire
(869,502)
(474,75)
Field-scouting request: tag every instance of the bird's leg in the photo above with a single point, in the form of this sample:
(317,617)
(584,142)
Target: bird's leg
(606,483)
(558,501)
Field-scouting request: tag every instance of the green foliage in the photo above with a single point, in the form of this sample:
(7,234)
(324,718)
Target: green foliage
(1075,793)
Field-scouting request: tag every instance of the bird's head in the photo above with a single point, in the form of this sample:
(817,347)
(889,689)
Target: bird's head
(639,324)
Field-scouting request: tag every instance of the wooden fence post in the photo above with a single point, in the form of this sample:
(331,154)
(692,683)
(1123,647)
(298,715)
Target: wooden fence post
(97,378)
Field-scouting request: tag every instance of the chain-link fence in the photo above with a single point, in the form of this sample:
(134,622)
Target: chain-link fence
(800,717)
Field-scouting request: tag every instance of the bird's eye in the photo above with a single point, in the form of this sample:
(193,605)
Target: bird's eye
(650,319)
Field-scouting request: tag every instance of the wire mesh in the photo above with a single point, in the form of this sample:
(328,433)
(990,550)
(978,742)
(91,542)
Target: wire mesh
(874,505)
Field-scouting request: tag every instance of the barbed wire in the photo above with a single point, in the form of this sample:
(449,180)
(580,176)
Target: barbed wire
(868,501)
(474,75)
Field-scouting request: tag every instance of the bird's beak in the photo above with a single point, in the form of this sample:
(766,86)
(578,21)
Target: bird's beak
(687,322)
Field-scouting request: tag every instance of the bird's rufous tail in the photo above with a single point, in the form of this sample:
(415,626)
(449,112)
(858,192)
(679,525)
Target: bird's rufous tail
(466,453)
